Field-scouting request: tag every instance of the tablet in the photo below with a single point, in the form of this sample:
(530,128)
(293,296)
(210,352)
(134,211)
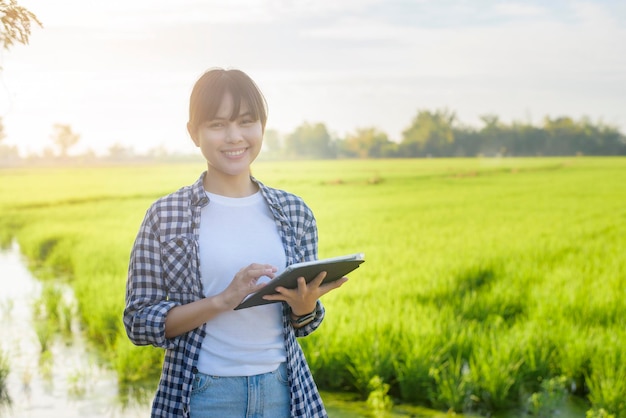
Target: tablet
(335,268)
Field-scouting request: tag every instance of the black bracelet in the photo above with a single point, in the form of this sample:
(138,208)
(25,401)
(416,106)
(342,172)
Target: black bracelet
(304,319)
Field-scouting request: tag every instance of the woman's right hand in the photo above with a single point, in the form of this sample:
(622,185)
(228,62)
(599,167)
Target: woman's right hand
(184,318)
(246,282)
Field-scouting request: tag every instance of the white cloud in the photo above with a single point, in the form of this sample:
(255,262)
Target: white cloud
(519,10)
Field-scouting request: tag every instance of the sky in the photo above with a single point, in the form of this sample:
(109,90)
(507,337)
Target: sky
(120,71)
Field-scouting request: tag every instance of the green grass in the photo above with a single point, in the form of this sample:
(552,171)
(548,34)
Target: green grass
(484,279)
(5,399)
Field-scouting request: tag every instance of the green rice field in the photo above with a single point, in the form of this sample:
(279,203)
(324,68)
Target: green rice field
(490,285)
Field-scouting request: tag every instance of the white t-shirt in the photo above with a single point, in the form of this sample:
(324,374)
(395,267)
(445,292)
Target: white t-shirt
(235,232)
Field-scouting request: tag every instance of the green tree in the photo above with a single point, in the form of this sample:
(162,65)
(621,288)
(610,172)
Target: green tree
(311,141)
(527,139)
(15,23)
(64,138)
(430,133)
(609,140)
(494,135)
(467,142)
(118,151)
(368,143)
(564,136)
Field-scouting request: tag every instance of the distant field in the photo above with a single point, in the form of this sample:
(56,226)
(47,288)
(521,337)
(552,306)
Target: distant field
(489,285)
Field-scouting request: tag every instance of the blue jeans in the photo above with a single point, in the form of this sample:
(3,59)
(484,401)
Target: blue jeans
(261,396)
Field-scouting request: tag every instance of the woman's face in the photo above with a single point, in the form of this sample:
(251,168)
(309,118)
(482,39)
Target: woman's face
(229,147)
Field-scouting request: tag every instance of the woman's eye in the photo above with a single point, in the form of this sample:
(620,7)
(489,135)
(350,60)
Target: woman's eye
(215,125)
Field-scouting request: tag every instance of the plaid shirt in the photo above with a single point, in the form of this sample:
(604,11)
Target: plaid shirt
(164,272)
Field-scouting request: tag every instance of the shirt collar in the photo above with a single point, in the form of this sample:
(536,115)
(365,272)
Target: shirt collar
(270,196)
(199,197)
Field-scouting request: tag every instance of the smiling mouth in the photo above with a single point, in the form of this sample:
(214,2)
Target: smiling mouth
(235,153)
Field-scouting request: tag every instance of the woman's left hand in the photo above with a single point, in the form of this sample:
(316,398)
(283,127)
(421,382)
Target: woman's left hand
(303,299)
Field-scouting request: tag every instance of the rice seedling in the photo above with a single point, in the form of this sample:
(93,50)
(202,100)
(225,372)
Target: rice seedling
(545,404)
(5,398)
(78,382)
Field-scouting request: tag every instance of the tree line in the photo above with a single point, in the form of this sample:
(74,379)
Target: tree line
(439,133)
(63,139)
(431,134)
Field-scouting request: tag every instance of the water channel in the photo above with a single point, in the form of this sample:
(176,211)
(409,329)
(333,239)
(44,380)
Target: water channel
(65,382)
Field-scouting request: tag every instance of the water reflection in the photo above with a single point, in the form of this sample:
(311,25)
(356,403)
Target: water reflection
(66,380)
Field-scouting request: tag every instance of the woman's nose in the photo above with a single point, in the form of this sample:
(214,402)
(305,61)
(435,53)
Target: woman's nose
(233,133)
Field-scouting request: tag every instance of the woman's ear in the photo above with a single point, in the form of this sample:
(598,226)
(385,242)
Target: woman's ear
(193,134)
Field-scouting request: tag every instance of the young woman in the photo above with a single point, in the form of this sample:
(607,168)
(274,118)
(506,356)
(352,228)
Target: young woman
(202,249)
